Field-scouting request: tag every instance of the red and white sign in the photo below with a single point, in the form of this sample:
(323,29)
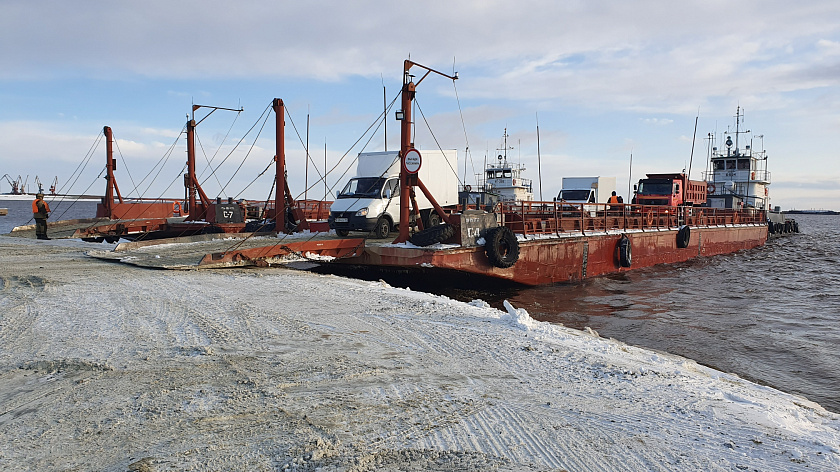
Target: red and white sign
(412,161)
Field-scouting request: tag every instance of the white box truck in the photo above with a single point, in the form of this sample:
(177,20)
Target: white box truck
(370,201)
(583,190)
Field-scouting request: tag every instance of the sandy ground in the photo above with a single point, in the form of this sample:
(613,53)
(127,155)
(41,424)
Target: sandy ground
(107,366)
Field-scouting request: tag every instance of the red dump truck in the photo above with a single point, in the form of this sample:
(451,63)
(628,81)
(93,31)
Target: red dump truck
(670,190)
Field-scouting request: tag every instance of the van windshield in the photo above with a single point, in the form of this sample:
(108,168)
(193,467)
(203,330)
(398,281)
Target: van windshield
(363,187)
(574,195)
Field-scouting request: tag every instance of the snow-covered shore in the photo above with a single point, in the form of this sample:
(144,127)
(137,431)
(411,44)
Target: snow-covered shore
(105,366)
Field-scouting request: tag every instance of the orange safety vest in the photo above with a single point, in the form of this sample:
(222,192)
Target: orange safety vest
(35,206)
(613,199)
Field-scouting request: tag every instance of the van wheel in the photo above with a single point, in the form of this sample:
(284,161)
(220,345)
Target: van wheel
(382,228)
(342,232)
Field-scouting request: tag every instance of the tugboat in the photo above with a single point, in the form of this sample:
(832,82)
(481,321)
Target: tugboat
(501,181)
(739,180)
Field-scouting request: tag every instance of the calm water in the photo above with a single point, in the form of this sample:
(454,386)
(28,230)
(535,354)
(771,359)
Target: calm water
(20,213)
(770,314)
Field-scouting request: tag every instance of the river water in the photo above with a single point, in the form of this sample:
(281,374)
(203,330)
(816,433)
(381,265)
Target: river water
(20,212)
(769,314)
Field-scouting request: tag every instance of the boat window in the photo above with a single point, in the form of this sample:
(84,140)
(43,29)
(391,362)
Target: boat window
(719,164)
(362,187)
(743,164)
(507,173)
(730,164)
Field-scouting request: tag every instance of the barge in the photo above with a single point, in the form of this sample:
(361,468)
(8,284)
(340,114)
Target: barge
(515,240)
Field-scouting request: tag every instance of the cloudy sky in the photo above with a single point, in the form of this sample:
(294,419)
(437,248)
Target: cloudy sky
(604,81)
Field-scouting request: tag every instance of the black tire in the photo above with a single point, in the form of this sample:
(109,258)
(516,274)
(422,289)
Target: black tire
(501,247)
(342,232)
(683,237)
(434,219)
(382,228)
(625,252)
(291,224)
(432,235)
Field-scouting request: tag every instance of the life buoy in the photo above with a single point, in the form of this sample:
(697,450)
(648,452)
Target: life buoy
(765,191)
(649,218)
(501,247)
(712,188)
(752,176)
(467,188)
(624,251)
(176,208)
(683,236)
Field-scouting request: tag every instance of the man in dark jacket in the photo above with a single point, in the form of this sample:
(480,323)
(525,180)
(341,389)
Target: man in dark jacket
(40,211)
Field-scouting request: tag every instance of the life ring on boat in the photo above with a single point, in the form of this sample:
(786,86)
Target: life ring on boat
(501,247)
(711,188)
(624,251)
(467,188)
(765,191)
(176,208)
(752,176)
(683,236)
(649,218)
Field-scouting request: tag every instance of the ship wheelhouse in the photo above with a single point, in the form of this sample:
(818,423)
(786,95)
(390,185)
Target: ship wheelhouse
(738,179)
(505,179)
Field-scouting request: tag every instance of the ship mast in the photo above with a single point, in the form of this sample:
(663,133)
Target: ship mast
(409,181)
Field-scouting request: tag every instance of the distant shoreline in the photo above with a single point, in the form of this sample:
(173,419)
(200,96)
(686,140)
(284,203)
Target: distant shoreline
(811,212)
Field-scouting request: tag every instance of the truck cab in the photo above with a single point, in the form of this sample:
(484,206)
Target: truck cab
(364,202)
(370,201)
(670,190)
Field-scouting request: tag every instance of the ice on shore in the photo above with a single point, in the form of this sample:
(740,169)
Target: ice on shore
(111,367)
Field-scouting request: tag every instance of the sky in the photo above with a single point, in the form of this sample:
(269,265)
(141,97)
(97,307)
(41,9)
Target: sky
(601,81)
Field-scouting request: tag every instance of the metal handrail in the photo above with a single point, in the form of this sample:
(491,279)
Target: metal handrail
(533,217)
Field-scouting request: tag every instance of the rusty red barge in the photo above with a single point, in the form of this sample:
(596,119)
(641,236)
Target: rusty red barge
(524,242)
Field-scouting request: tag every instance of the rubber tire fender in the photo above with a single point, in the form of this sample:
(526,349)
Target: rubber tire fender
(624,252)
(432,235)
(501,247)
(683,236)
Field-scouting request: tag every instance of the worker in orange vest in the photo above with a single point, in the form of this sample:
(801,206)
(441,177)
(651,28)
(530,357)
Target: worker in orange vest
(40,211)
(614,198)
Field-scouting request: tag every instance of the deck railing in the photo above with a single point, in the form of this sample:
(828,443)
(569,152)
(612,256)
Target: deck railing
(561,217)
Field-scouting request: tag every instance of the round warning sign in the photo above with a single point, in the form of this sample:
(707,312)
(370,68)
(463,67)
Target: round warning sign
(412,161)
